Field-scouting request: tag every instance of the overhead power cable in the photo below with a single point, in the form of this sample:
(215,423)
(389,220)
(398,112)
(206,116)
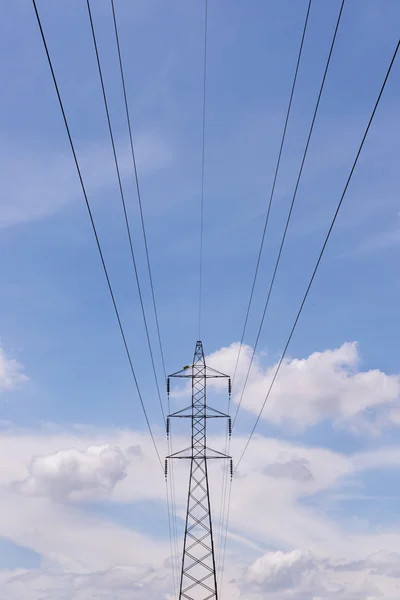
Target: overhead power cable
(278,163)
(95,233)
(138,188)
(225,536)
(170,530)
(128,229)
(290,209)
(322,252)
(203,164)
(171,497)
(171,478)
(225,493)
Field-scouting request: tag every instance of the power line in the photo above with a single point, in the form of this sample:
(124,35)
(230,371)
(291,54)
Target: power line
(175,561)
(225,536)
(273,187)
(124,204)
(225,476)
(322,251)
(291,208)
(171,498)
(224,503)
(138,188)
(173,564)
(203,163)
(95,230)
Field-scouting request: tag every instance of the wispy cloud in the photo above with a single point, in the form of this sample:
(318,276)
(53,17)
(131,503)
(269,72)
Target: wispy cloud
(375,243)
(11,372)
(38,182)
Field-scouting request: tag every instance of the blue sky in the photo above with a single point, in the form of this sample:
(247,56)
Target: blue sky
(56,317)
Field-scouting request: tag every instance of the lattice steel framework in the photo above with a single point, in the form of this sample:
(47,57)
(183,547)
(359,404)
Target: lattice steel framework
(198,575)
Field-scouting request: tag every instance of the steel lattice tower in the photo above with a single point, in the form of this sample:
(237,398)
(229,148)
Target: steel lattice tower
(198,575)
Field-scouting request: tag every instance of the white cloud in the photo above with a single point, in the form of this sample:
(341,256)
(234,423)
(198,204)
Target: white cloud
(289,468)
(90,555)
(10,372)
(325,385)
(382,562)
(75,539)
(134,582)
(282,570)
(75,475)
(300,575)
(72,537)
(294,575)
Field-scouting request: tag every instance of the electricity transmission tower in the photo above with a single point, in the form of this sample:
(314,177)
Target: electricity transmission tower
(198,576)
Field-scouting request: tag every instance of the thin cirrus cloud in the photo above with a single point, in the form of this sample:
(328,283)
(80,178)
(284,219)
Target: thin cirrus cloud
(38,182)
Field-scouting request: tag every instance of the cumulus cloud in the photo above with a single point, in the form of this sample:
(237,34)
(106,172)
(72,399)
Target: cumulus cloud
(10,372)
(300,575)
(282,570)
(75,475)
(325,385)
